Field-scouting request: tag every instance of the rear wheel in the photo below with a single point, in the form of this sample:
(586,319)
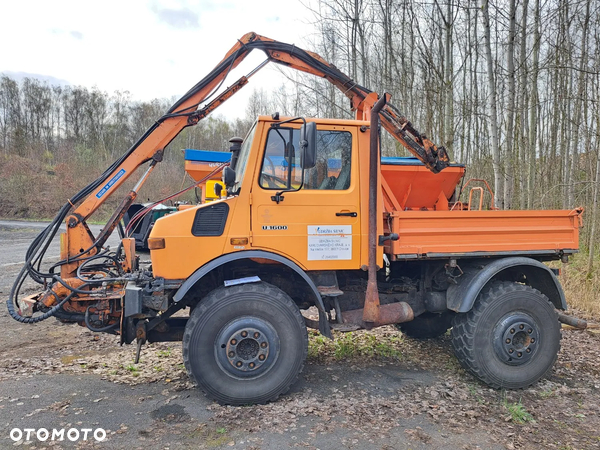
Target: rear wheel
(245,344)
(511,337)
(427,325)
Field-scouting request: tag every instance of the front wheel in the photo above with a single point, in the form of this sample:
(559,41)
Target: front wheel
(511,337)
(245,344)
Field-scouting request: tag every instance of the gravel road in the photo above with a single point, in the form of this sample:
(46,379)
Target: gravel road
(17,235)
(63,376)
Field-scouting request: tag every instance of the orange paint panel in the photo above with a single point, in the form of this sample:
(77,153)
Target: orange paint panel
(424,232)
(201,169)
(183,252)
(288,228)
(415,186)
(293,239)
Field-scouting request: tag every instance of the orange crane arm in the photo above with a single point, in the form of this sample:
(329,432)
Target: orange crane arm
(361,99)
(185,112)
(188,111)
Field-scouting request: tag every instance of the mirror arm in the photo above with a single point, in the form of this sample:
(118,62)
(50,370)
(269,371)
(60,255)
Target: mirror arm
(289,120)
(303,142)
(278,198)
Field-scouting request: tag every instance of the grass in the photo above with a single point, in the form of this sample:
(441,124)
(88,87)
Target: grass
(68,359)
(475,394)
(133,369)
(212,438)
(354,345)
(518,412)
(581,290)
(164,353)
(316,346)
(24,192)
(547,394)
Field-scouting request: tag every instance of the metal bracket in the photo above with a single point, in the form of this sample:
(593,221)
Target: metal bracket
(389,237)
(140,334)
(277,198)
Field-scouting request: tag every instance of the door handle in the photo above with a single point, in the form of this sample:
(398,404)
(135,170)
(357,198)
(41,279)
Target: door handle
(346,214)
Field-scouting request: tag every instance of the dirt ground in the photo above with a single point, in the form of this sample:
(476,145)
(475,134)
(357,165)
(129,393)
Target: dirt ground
(412,395)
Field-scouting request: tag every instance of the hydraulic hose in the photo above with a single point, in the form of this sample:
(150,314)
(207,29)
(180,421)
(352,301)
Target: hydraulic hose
(30,320)
(97,330)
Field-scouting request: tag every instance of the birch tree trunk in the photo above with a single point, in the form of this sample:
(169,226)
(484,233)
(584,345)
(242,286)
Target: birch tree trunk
(533,117)
(448,81)
(594,212)
(524,111)
(493,104)
(578,108)
(510,108)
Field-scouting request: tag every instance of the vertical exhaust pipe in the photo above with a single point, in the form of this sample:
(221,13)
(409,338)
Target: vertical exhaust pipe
(371,309)
(235,148)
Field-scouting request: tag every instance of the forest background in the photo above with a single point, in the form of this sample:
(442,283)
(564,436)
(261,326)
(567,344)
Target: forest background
(511,88)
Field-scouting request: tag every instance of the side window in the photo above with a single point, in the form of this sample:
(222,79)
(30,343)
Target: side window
(281,163)
(334,158)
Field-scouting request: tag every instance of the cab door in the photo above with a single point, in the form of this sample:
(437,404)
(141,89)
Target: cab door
(310,216)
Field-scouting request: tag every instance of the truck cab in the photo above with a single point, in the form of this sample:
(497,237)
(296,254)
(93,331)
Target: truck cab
(315,217)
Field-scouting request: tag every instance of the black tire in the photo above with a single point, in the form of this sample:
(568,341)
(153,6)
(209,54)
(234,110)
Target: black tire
(511,337)
(427,325)
(245,344)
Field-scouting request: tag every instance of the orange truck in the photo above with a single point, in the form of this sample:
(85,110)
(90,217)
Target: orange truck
(311,217)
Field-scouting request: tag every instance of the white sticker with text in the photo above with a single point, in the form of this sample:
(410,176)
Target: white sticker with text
(329,242)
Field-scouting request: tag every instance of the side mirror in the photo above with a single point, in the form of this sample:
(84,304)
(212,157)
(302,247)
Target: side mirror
(218,189)
(308,145)
(228,177)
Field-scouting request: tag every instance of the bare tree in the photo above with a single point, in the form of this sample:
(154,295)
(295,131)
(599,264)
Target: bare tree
(493,101)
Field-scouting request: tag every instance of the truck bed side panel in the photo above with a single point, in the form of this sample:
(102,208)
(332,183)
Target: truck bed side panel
(430,233)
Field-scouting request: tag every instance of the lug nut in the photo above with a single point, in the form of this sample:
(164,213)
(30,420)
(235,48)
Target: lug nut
(231,354)
(233,341)
(528,350)
(263,345)
(261,357)
(519,354)
(238,364)
(530,331)
(521,326)
(244,333)
(251,365)
(532,340)
(512,331)
(256,335)
(508,340)
(510,350)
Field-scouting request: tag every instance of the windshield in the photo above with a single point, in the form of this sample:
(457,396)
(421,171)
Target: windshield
(242,161)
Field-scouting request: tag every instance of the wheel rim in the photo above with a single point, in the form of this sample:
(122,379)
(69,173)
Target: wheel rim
(516,339)
(247,347)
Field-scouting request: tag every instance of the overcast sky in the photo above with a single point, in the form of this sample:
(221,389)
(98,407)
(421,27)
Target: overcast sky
(151,48)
